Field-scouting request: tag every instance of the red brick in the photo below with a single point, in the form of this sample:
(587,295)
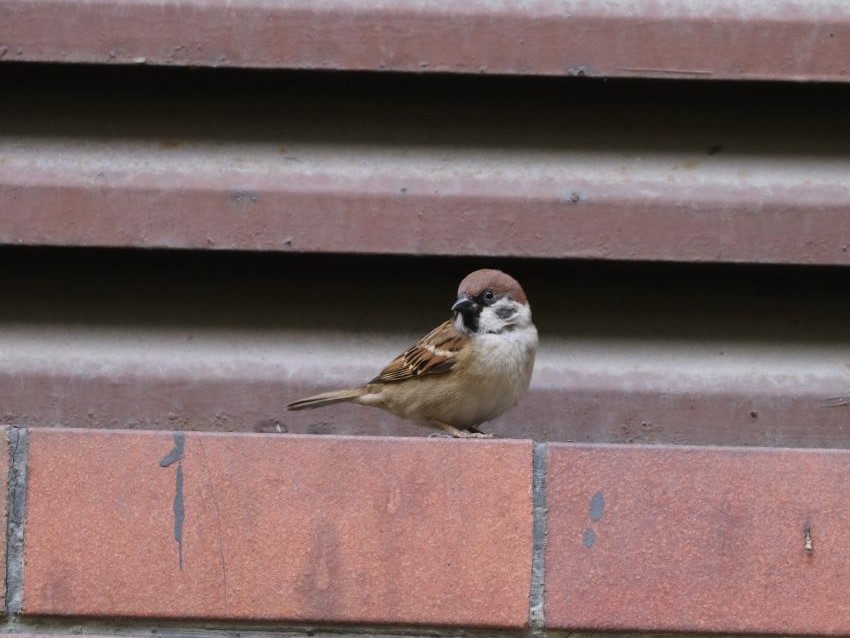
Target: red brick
(286,528)
(700,540)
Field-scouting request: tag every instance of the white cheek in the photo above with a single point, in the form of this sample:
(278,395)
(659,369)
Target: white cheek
(489,321)
(514,316)
(522,318)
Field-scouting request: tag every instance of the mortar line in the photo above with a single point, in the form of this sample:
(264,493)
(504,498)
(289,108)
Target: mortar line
(536,619)
(200,628)
(16,510)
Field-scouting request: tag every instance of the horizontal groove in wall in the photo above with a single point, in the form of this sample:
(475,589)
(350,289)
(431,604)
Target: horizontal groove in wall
(212,341)
(632,172)
(792,40)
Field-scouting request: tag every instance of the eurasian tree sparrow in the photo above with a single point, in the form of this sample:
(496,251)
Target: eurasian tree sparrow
(467,370)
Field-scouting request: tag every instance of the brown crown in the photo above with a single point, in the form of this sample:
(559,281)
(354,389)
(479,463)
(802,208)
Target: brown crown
(501,283)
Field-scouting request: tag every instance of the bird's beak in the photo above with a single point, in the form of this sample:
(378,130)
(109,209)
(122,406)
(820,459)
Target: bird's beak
(464,305)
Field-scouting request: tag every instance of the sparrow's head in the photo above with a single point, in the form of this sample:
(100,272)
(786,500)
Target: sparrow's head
(490,302)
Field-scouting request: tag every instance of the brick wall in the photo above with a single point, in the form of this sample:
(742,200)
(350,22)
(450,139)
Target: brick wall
(176,533)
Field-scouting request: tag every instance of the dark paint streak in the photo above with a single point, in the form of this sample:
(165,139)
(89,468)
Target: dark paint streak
(179,514)
(176,456)
(176,453)
(588,538)
(597,506)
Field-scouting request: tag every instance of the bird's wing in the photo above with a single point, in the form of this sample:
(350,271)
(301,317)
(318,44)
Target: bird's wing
(434,353)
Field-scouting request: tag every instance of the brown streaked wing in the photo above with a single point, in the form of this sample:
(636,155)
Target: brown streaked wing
(435,353)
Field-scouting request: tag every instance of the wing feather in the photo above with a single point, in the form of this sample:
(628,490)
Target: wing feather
(435,353)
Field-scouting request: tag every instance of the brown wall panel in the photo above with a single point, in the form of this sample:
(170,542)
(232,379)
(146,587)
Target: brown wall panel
(791,40)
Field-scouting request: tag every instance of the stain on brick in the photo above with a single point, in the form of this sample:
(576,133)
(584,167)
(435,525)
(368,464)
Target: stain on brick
(597,506)
(176,453)
(176,456)
(588,538)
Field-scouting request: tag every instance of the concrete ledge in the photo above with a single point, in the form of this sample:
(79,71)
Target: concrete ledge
(380,198)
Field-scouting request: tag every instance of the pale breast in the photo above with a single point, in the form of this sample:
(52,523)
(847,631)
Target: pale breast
(484,384)
(502,365)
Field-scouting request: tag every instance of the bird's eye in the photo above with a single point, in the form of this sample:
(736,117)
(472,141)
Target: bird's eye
(489,295)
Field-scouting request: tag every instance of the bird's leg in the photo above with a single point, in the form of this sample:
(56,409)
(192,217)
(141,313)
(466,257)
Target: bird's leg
(450,430)
(461,434)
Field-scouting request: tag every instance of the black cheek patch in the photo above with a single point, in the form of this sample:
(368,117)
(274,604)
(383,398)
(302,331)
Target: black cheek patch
(470,321)
(505,312)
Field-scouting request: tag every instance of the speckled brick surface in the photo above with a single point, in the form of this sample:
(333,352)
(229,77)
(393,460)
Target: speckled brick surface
(285,528)
(699,540)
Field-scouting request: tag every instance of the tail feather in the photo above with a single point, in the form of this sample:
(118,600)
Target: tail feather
(326,398)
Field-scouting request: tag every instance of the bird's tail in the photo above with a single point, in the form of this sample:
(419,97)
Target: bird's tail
(326,398)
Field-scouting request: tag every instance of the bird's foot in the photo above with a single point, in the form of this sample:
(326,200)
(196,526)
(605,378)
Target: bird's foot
(461,434)
(474,435)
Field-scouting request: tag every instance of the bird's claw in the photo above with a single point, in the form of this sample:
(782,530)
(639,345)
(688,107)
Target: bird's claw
(460,434)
